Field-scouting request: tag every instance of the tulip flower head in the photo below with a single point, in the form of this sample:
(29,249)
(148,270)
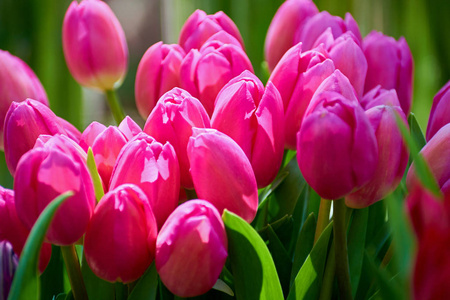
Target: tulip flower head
(17,83)
(120,240)
(94,45)
(440,111)
(172,120)
(191,249)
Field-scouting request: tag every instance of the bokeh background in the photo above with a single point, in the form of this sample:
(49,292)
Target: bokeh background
(31,30)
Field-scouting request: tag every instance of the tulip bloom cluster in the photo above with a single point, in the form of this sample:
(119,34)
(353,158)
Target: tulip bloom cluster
(217,142)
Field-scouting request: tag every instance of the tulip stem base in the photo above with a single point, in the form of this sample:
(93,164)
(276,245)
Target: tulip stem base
(114,105)
(328,278)
(74,272)
(341,252)
(323,217)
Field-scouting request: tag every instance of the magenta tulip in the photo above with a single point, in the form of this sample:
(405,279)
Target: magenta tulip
(17,83)
(392,152)
(200,26)
(129,128)
(253,117)
(154,168)
(157,73)
(24,122)
(390,64)
(222,173)
(288,20)
(44,173)
(440,111)
(191,249)
(14,231)
(90,134)
(204,72)
(172,120)
(336,146)
(94,45)
(297,77)
(120,240)
(318,23)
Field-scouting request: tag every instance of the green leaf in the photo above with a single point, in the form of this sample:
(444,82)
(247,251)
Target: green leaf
(304,245)
(308,281)
(416,131)
(96,287)
(52,279)
(252,266)
(356,241)
(26,284)
(92,167)
(147,286)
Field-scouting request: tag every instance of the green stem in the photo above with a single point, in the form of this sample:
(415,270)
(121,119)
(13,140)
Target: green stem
(115,106)
(323,218)
(340,239)
(73,270)
(328,277)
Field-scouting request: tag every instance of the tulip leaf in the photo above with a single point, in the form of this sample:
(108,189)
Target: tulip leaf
(416,131)
(96,287)
(254,272)
(26,283)
(308,282)
(305,242)
(147,286)
(356,245)
(52,279)
(92,167)
(220,285)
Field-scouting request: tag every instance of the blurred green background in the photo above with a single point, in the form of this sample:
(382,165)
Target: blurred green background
(31,30)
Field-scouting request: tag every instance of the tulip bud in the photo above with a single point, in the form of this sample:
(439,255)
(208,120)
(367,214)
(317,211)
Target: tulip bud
(297,77)
(437,155)
(154,168)
(348,57)
(24,122)
(191,249)
(288,20)
(440,111)
(390,65)
(129,128)
(318,23)
(120,240)
(14,231)
(71,131)
(172,120)
(253,117)
(44,173)
(17,83)
(392,152)
(336,146)
(8,266)
(94,45)
(204,72)
(200,26)
(90,134)
(222,173)
(158,72)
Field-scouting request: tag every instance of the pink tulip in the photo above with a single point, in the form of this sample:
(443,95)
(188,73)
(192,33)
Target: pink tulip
(44,173)
(348,57)
(191,249)
(200,26)
(392,152)
(172,120)
(94,45)
(253,117)
(336,146)
(318,23)
(17,83)
(129,128)
(154,168)
(120,239)
(24,122)
(204,72)
(90,134)
(222,173)
(440,111)
(157,73)
(288,20)
(437,155)
(390,64)
(297,77)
